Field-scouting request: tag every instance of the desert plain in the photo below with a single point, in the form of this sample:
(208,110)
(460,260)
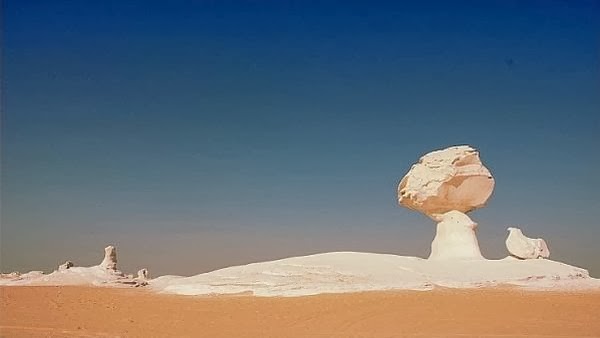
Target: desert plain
(79,311)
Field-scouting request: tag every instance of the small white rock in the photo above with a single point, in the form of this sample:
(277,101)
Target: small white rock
(523,247)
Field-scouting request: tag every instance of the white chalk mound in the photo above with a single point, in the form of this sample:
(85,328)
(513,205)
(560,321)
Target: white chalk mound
(444,180)
(104,274)
(526,248)
(339,272)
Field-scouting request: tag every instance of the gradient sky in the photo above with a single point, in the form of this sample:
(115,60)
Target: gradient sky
(200,134)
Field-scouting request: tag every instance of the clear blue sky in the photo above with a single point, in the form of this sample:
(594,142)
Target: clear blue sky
(201,134)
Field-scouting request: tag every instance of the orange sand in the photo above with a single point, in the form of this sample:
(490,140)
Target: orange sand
(93,312)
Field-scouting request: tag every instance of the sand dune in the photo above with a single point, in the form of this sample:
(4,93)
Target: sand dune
(69,311)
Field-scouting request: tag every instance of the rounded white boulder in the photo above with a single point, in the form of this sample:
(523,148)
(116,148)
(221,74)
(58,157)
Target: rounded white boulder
(524,247)
(444,180)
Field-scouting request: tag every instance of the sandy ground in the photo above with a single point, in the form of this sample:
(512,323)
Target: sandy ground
(93,312)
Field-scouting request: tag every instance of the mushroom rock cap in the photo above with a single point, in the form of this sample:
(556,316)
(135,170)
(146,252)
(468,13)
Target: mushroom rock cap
(443,180)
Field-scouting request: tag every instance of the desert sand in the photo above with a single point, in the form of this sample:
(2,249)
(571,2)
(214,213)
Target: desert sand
(75,311)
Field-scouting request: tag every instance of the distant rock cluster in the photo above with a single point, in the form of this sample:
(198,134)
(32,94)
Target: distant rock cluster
(106,273)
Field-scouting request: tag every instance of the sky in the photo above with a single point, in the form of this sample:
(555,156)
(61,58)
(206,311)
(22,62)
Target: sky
(195,135)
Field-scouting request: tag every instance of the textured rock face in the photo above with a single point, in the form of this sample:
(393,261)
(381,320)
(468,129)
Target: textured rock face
(105,274)
(444,180)
(525,248)
(455,238)
(444,185)
(110,258)
(143,274)
(66,265)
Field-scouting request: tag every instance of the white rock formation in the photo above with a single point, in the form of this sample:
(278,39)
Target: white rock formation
(444,185)
(66,265)
(526,248)
(104,274)
(337,272)
(110,258)
(444,180)
(455,238)
(143,274)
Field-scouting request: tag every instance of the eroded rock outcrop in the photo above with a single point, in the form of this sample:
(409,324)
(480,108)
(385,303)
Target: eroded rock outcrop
(110,258)
(444,180)
(524,247)
(66,265)
(444,185)
(143,274)
(103,274)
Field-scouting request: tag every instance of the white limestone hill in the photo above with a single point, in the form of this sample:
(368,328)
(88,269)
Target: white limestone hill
(339,272)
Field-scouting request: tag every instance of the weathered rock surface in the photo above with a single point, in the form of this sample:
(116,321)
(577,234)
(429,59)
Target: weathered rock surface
(105,274)
(336,272)
(66,265)
(444,180)
(110,258)
(444,185)
(455,238)
(524,247)
(143,274)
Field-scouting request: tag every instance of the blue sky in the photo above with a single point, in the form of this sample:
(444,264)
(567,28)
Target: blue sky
(196,135)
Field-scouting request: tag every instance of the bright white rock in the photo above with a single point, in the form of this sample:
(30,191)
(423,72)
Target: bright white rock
(110,258)
(104,274)
(444,180)
(524,247)
(339,272)
(455,238)
(444,185)
(143,274)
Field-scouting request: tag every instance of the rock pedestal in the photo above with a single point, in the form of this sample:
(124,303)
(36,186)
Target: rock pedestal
(445,185)
(455,238)
(110,258)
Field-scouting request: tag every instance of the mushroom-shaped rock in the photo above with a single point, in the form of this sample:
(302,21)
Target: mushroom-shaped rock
(444,185)
(455,238)
(526,248)
(110,258)
(444,180)
(66,265)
